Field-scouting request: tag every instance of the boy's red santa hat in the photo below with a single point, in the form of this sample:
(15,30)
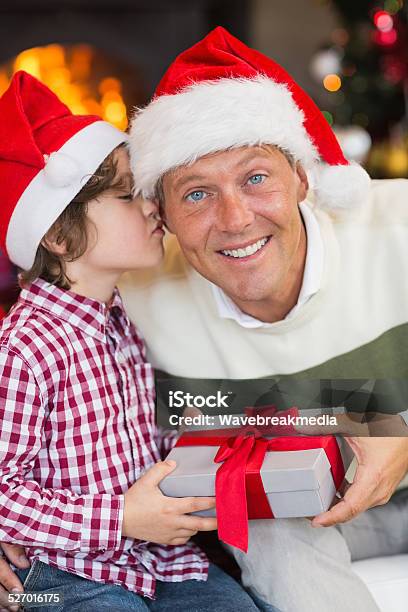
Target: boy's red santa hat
(47,154)
(220,94)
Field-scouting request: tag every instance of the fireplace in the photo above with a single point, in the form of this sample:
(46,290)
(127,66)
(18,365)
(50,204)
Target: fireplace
(136,37)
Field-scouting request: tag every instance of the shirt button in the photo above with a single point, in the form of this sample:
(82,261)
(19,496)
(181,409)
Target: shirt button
(121,358)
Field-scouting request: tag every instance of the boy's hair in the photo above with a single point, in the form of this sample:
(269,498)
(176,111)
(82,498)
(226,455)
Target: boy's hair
(71,228)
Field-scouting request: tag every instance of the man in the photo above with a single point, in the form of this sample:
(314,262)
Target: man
(265,285)
(262,284)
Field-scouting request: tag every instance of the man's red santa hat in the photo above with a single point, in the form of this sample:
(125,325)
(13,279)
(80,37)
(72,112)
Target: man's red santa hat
(220,94)
(47,154)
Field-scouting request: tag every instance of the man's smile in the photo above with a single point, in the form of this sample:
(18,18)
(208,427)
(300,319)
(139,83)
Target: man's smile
(244,251)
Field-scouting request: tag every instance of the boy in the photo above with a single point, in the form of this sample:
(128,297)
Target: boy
(76,393)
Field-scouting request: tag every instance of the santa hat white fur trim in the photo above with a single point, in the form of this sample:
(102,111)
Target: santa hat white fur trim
(53,188)
(211,116)
(60,170)
(340,186)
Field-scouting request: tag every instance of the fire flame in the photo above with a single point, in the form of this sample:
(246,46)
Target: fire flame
(67,73)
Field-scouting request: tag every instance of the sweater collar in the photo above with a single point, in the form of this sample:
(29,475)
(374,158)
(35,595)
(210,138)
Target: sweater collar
(90,315)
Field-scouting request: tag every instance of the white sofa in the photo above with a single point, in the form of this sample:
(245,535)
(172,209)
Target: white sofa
(387,579)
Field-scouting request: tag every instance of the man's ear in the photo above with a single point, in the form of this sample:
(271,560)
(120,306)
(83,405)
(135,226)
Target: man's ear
(162,211)
(160,198)
(303,183)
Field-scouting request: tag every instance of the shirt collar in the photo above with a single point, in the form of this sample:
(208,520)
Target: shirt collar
(89,315)
(312,276)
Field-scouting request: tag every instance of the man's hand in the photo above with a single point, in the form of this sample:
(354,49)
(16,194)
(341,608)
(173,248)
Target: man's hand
(150,515)
(9,582)
(382,464)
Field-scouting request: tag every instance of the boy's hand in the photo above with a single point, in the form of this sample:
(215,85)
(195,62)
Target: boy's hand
(150,515)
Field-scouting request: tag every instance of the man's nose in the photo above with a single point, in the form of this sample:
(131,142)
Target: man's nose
(233,213)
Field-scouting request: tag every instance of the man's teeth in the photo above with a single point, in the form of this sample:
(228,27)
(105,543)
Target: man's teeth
(249,250)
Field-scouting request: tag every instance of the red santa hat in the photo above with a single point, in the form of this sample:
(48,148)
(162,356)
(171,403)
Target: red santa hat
(47,154)
(220,94)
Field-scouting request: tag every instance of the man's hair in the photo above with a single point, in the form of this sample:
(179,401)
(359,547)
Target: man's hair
(159,191)
(71,228)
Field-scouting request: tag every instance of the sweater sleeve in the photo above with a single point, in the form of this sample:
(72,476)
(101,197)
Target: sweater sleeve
(29,514)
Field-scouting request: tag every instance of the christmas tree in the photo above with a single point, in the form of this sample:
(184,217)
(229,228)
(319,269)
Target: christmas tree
(364,73)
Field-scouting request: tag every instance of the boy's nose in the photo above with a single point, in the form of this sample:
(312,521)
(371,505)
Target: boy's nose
(150,208)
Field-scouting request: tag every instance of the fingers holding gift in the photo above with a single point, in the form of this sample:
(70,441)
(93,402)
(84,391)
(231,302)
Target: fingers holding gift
(182,537)
(191,526)
(188,505)
(150,515)
(199,523)
(366,491)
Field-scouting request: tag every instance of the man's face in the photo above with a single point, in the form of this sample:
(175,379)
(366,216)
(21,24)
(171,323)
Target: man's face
(236,217)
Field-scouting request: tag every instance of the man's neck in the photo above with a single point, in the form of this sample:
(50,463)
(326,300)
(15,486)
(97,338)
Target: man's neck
(272,309)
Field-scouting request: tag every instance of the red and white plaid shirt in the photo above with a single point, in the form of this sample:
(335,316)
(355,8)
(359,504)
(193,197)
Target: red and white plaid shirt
(77,430)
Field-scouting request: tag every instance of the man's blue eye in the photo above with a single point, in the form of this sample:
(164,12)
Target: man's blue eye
(196,196)
(256,179)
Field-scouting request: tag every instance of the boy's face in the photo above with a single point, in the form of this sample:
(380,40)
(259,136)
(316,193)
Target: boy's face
(125,233)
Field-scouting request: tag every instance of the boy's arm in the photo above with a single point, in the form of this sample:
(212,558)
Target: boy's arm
(29,514)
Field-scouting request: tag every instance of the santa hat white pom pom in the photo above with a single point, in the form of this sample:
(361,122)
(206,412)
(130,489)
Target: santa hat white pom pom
(343,186)
(61,170)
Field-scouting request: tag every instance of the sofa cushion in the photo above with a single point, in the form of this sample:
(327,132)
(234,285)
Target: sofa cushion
(387,579)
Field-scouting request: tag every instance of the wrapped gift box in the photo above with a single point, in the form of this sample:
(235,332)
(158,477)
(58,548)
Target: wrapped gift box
(295,477)
(296,483)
